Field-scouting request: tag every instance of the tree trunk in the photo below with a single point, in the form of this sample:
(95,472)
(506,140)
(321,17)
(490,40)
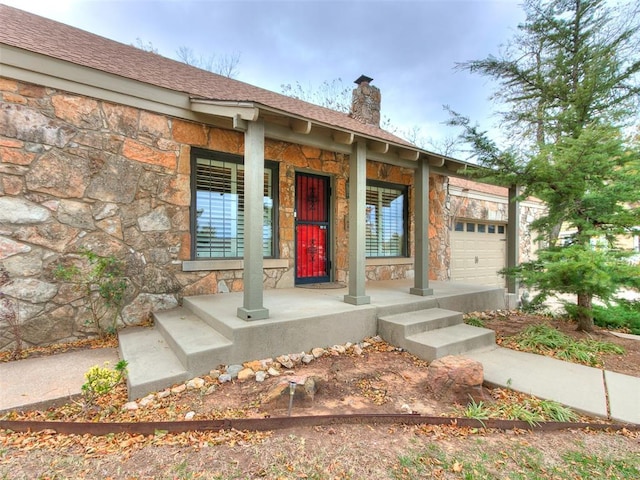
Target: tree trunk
(585,312)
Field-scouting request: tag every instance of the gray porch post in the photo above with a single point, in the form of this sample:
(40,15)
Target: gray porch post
(513,244)
(421,233)
(252,308)
(357,224)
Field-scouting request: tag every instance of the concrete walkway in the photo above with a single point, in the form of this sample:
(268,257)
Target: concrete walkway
(45,381)
(585,389)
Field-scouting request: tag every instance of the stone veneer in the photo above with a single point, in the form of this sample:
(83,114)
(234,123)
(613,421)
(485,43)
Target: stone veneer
(76,173)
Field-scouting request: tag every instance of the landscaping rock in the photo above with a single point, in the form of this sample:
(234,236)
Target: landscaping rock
(318,352)
(285,361)
(225,377)
(189,415)
(273,372)
(233,370)
(164,394)
(179,389)
(130,406)
(305,390)
(256,365)
(261,376)
(246,374)
(307,359)
(195,383)
(296,358)
(456,379)
(147,400)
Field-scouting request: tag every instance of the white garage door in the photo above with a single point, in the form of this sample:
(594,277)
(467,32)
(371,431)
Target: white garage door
(478,252)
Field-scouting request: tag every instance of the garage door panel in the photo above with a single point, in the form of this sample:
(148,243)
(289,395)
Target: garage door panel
(477,256)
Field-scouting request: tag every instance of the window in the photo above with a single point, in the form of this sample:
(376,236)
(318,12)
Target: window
(218,197)
(459,227)
(471,227)
(482,228)
(386,223)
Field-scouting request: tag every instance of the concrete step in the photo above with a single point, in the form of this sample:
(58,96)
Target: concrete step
(201,306)
(454,340)
(151,364)
(396,328)
(197,345)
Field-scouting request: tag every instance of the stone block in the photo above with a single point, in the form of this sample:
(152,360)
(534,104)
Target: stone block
(456,379)
(79,111)
(304,390)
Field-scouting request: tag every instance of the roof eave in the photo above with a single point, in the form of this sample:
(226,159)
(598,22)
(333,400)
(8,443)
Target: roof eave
(224,108)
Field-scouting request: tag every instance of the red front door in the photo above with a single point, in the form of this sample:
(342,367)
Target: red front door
(312,228)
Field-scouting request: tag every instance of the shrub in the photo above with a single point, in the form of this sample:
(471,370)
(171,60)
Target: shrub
(102,380)
(625,315)
(104,286)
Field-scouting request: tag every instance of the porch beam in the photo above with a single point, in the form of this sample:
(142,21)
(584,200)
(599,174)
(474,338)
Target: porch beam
(252,308)
(357,224)
(421,232)
(327,142)
(240,124)
(513,243)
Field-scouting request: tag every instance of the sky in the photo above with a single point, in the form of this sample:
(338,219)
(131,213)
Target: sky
(409,48)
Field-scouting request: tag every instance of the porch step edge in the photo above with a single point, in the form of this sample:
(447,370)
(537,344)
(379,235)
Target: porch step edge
(198,346)
(151,364)
(454,340)
(200,305)
(396,328)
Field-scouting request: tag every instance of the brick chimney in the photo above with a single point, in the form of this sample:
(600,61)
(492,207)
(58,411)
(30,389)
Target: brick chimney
(365,102)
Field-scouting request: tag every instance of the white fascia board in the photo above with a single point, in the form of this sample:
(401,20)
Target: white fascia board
(230,109)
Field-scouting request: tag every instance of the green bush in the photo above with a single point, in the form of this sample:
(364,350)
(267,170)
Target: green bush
(102,380)
(624,316)
(474,322)
(104,285)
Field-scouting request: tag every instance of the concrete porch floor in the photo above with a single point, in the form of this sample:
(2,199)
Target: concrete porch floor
(387,297)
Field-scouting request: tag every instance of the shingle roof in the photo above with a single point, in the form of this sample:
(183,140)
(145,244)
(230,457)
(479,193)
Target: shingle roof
(479,187)
(47,37)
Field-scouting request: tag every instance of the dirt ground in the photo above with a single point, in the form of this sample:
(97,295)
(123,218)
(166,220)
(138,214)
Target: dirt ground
(383,379)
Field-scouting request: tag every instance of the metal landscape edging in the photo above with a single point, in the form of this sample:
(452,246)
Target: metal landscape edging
(278,423)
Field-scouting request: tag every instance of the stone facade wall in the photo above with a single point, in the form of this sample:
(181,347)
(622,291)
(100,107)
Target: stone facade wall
(475,209)
(528,243)
(439,243)
(79,173)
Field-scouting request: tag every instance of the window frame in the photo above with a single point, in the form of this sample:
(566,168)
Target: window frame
(197,153)
(405,216)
